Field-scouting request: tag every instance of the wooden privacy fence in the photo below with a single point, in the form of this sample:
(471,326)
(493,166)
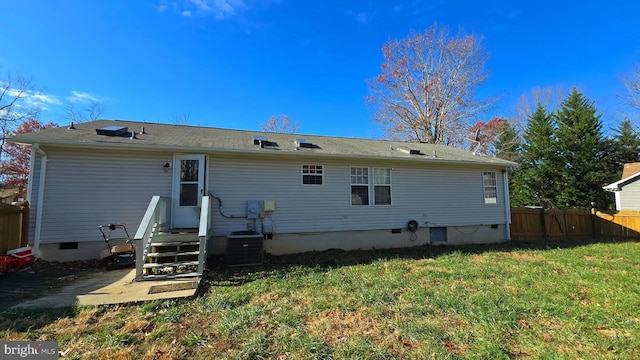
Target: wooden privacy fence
(531,224)
(14,226)
(619,224)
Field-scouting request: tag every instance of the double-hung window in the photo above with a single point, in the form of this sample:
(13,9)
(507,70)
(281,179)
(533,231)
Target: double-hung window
(312,175)
(490,184)
(364,179)
(382,186)
(359,186)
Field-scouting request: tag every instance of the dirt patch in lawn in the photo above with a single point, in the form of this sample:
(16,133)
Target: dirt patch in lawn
(42,278)
(335,326)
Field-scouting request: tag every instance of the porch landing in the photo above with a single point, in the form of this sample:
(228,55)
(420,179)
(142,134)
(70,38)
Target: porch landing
(115,287)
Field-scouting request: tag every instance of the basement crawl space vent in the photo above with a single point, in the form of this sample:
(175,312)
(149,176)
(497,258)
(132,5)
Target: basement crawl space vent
(113,130)
(263,142)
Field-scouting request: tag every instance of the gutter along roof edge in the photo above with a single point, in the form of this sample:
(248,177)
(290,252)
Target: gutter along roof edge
(421,159)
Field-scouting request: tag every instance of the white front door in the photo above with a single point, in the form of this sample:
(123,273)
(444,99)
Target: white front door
(188,189)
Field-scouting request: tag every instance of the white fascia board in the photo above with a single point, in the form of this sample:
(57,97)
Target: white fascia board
(617,186)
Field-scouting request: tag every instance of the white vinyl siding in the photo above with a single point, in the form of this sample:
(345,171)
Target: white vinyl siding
(490,186)
(432,195)
(630,196)
(84,189)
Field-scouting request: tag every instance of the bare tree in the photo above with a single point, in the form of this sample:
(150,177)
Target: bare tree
(549,97)
(280,124)
(181,119)
(426,90)
(631,82)
(15,106)
(93,111)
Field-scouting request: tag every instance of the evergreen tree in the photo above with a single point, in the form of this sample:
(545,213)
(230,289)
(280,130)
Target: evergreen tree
(625,147)
(508,143)
(533,181)
(582,150)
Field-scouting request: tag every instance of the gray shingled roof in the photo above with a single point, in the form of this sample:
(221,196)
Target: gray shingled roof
(208,139)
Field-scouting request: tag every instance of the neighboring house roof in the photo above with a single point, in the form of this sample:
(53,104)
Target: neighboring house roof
(630,173)
(208,139)
(630,169)
(11,194)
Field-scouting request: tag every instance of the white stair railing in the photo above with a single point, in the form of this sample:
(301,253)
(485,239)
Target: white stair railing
(155,219)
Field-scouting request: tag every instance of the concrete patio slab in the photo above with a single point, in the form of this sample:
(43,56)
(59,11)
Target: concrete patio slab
(115,287)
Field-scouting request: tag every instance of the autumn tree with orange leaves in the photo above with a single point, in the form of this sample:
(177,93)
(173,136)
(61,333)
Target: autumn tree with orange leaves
(496,137)
(426,90)
(14,167)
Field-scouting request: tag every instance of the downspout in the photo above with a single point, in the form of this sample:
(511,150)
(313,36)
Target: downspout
(618,199)
(43,173)
(507,203)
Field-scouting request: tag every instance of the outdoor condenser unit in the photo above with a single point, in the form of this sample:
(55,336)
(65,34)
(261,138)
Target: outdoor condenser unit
(244,248)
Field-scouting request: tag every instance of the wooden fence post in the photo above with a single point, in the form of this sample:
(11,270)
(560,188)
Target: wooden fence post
(24,233)
(594,224)
(566,226)
(543,222)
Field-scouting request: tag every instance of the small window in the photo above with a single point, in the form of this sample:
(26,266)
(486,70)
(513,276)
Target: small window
(359,186)
(381,186)
(312,175)
(490,187)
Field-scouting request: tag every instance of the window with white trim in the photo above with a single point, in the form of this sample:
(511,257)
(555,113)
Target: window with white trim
(490,183)
(312,175)
(359,186)
(382,186)
(364,179)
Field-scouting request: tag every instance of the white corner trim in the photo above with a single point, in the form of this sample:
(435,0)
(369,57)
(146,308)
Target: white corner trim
(43,174)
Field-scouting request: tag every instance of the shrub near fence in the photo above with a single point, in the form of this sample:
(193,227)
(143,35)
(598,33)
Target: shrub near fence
(532,224)
(14,226)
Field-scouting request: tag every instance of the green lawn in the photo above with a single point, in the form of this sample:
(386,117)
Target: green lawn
(559,300)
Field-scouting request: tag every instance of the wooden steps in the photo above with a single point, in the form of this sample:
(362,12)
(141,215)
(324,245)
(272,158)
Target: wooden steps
(172,254)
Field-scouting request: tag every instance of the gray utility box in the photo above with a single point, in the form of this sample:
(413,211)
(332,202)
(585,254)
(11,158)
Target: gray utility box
(244,248)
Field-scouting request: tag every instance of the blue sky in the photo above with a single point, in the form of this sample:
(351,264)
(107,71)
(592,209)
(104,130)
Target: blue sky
(235,63)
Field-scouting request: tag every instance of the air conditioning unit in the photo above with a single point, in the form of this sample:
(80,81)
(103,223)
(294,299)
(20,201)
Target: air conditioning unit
(244,248)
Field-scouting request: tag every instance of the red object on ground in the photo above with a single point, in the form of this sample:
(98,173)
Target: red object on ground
(6,263)
(24,255)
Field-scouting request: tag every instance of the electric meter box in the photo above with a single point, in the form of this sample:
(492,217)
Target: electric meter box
(253,209)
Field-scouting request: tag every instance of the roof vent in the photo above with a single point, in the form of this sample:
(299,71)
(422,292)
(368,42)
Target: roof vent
(263,142)
(112,131)
(304,143)
(142,131)
(409,151)
(258,139)
(71,127)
